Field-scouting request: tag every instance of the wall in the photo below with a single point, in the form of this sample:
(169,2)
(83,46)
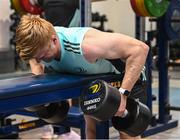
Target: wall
(5,23)
(119,13)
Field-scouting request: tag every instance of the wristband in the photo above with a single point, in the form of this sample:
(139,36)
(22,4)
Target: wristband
(124,91)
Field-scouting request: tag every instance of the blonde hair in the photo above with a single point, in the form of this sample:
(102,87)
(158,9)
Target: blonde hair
(32,33)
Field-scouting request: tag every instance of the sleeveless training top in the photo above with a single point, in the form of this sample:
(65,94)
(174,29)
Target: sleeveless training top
(72,59)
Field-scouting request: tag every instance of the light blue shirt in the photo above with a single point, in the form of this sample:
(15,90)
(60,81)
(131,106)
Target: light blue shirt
(72,59)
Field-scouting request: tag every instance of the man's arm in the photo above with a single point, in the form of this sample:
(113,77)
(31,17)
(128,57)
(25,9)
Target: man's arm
(97,44)
(36,68)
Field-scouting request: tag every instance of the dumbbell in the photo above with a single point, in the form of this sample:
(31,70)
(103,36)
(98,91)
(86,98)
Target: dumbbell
(51,112)
(136,121)
(101,101)
(34,108)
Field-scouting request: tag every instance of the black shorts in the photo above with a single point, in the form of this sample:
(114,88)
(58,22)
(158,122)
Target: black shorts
(139,90)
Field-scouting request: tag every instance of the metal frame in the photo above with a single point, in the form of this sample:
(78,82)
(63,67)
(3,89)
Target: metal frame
(85,8)
(165,121)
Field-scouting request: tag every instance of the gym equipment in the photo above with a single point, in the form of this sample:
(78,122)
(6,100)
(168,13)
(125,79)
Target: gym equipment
(15,4)
(135,8)
(142,8)
(163,119)
(35,108)
(101,101)
(172,20)
(156,8)
(30,7)
(148,8)
(54,112)
(34,90)
(136,121)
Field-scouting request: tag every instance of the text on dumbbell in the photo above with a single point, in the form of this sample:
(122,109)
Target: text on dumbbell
(96,100)
(91,107)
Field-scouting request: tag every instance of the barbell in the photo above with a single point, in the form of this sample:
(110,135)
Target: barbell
(150,8)
(16,5)
(26,6)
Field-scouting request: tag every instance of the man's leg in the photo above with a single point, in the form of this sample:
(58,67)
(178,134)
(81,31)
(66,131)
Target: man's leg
(91,130)
(90,127)
(125,136)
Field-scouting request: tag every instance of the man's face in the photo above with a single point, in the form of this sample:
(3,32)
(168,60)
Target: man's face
(46,53)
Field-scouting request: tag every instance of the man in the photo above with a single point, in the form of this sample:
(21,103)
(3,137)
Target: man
(80,51)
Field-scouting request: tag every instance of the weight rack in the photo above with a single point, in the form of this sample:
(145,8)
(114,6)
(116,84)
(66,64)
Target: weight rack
(164,120)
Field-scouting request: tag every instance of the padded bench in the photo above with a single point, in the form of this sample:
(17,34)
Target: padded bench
(29,90)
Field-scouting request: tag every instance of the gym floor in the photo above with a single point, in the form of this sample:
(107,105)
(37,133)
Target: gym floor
(174,100)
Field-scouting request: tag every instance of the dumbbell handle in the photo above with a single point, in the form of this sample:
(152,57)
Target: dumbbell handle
(124,114)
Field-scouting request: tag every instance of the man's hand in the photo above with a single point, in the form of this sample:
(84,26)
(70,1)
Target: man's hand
(122,106)
(36,68)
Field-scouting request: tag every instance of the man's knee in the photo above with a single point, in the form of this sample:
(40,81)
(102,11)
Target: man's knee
(90,122)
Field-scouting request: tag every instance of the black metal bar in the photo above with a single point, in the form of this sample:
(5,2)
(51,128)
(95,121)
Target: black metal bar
(173,19)
(149,72)
(162,45)
(175,108)
(137,32)
(173,64)
(160,128)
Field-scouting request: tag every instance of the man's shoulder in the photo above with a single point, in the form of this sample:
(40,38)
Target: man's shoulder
(71,32)
(59,28)
(67,30)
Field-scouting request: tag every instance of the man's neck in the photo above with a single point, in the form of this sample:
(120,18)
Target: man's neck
(58,51)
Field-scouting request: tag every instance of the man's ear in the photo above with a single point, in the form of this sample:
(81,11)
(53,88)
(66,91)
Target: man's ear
(54,39)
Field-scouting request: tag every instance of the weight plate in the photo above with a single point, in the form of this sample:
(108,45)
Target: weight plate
(100,100)
(156,8)
(144,8)
(54,112)
(92,97)
(137,120)
(16,5)
(31,8)
(173,12)
(139,6)
(134,7)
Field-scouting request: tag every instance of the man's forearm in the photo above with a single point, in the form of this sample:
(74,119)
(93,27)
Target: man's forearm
(134,66)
